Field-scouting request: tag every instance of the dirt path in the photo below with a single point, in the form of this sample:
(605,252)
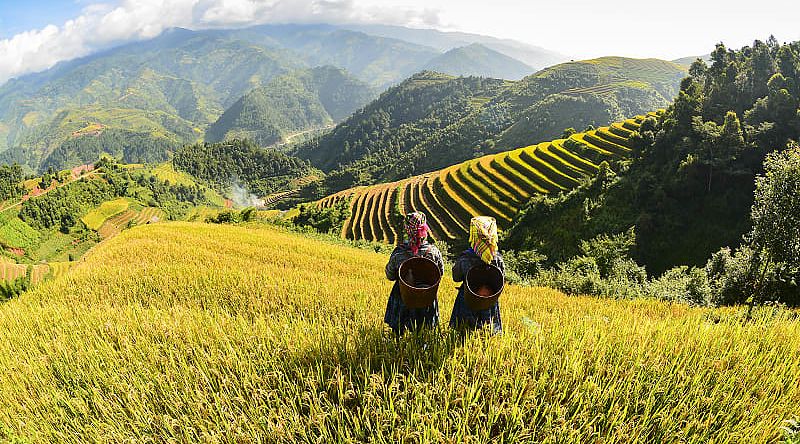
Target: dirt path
(293,136)
(21,201)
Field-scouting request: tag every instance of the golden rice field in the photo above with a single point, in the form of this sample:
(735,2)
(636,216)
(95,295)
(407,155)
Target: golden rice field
(250,334)
(10,271)
(115,225)
(496,185)
(95,218)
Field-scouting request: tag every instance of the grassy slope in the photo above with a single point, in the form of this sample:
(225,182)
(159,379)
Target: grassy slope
(205,337)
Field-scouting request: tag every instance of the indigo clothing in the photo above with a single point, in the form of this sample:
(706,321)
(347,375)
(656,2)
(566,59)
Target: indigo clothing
(463,317)
(398,316)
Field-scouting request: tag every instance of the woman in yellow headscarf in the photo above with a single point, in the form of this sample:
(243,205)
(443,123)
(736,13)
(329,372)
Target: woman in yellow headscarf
(483,249)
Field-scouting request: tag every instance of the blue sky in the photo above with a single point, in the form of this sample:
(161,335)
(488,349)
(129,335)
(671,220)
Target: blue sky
(20,15)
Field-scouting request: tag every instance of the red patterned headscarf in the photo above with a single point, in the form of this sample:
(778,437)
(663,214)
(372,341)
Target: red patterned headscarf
(416,230)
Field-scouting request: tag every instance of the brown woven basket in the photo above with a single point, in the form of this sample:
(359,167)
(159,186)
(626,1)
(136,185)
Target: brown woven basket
(479,276)
(419,282)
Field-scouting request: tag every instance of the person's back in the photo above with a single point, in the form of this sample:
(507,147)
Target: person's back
(398,315)
(483,250)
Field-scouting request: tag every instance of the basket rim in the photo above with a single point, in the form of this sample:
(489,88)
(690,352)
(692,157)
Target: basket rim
(489,266)
(403,281)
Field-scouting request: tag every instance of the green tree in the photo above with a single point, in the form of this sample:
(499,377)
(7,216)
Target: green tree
(776,210)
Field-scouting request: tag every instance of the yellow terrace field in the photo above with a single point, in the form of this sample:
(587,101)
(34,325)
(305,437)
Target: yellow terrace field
(94,219)
(496,185)
(197,333)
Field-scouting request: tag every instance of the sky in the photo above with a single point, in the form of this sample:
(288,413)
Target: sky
(36,34)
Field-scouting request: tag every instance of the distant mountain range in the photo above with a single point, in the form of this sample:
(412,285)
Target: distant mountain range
(533,56)
(175,87)
(270,83)
(478,60)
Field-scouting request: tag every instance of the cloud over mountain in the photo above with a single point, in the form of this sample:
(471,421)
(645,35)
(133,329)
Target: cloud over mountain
(101,25)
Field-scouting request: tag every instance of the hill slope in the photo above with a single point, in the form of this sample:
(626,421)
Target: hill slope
(478,60)
(495,185)
(690,190)
(173,86)
(433,120)
(294,102)
(185,331)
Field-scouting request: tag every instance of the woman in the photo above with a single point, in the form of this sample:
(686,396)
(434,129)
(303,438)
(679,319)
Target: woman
(483,249)
(398,316)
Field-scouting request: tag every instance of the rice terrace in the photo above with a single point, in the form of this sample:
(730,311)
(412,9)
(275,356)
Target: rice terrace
(449,222)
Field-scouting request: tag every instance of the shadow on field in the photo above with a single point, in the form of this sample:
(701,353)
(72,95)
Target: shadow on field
(374,350)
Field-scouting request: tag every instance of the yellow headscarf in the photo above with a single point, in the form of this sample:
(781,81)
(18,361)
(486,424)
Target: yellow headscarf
(483,237)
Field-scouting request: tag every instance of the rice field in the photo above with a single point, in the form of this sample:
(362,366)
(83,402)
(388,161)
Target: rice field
(10,271)
(121,221)
(206,337)
(95,218)
(496,185)
(167,173)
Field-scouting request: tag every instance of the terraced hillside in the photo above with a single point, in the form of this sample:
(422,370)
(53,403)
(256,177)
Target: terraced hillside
(496,185)
(115,225)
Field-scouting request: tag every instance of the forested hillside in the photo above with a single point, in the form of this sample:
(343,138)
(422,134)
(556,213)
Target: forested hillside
(295,102)
(47,223)
(688,190)
(240,162)
(433,120)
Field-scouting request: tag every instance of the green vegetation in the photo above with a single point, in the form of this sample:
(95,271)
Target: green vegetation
(495,185)
(126,146)
(15,233)
(10,182)
(161,348)
(261,170)
(296,102)
(166,91)
(76,212)
(95,218)
(688,189)
(433,120)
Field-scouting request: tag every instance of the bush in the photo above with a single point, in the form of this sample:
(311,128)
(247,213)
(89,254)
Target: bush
(521,266)
(682,284)
(324,220)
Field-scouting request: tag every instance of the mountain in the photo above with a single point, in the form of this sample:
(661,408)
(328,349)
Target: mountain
(299,101)
(589,92)
(172,87)
(367,146)
(379,61)
(169,90)
(433,120)
(533,56)
(478,60)
(687,61)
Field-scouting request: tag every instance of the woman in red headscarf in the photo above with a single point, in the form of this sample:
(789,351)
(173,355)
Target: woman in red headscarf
(398,315)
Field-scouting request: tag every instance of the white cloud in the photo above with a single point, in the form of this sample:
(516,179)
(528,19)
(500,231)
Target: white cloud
(100,25)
